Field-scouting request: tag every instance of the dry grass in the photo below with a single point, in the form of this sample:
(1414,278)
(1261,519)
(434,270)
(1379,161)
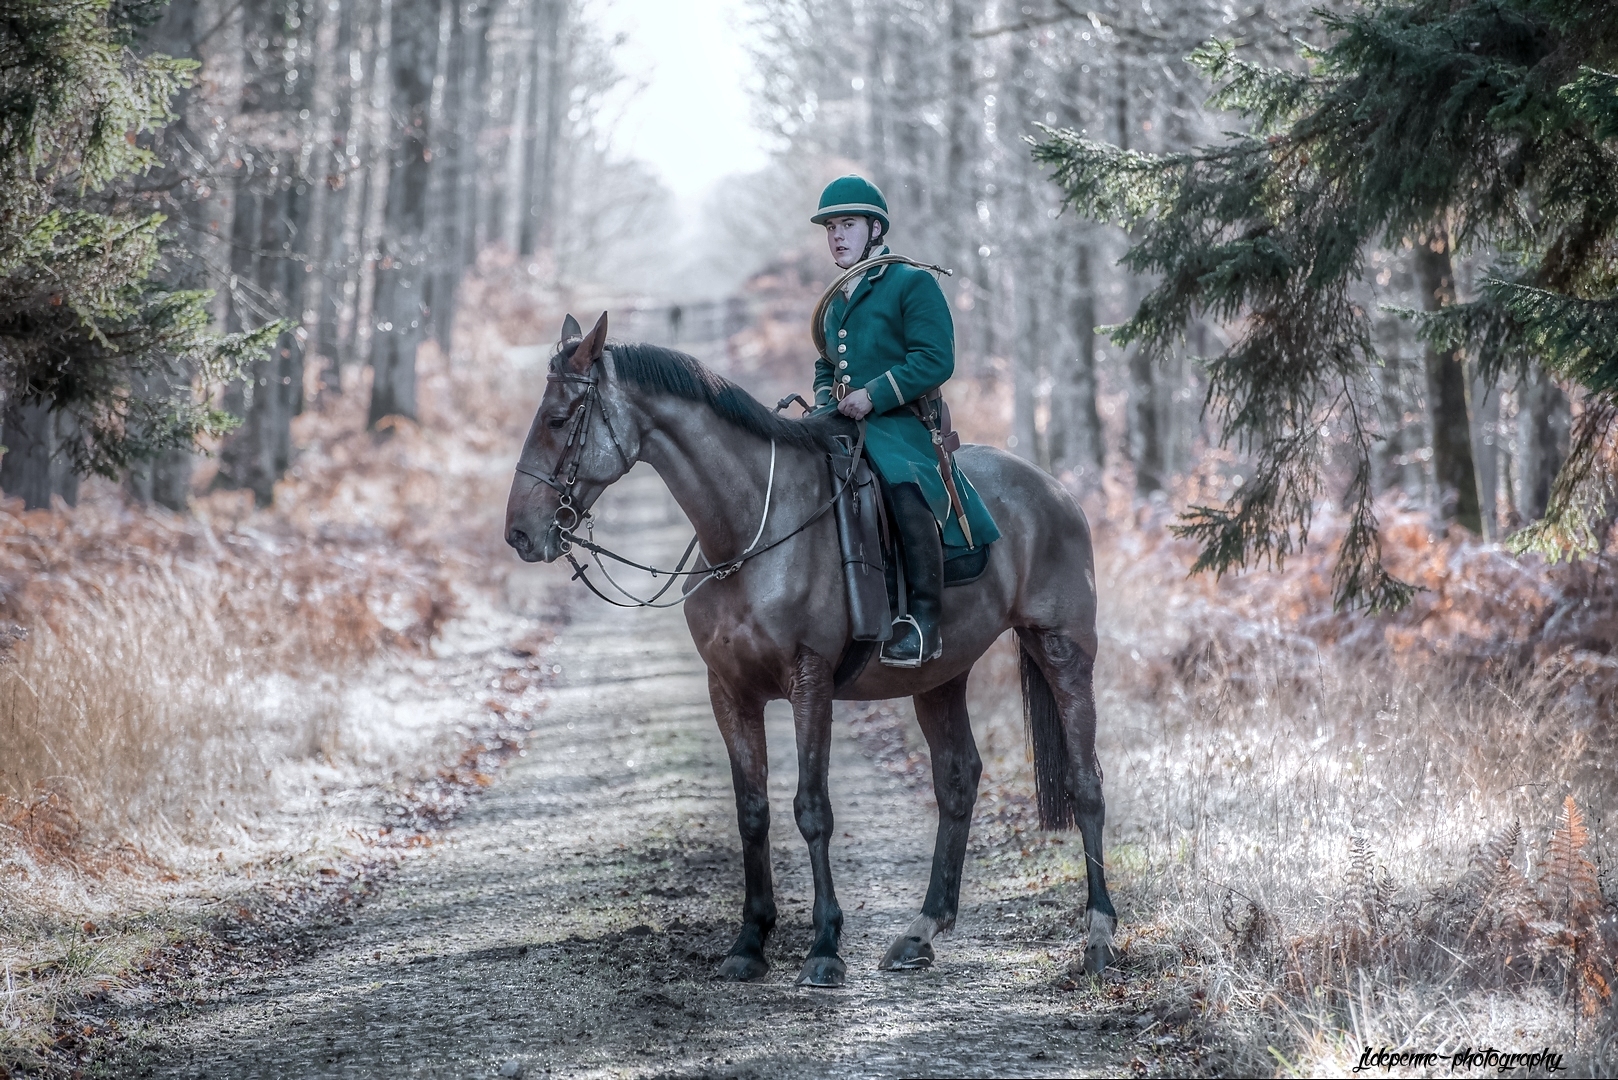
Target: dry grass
(194,708)
(1311,813)
(1328,832)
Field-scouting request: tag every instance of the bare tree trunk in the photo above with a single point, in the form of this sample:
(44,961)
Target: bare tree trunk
(316,164)
(348,298)
(1544,420)
(960,211)
(32,467)
(1074,436)
(442,267)
(267,265)
(1145,435)
(542,203)
(1446,393)
(403,271)
(1486,452)
(379,144)
(473,112)
(516,196)
(1027,258)
(197,147)
(269,281)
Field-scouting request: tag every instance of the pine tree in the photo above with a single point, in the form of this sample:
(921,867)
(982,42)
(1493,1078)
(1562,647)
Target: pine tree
(81,318)
(1492,124)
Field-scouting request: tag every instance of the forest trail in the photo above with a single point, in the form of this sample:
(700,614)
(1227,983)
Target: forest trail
(571,919)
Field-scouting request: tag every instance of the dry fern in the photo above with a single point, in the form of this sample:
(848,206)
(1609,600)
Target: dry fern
(1578,919)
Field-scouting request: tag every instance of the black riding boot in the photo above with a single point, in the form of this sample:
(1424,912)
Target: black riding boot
(916,636)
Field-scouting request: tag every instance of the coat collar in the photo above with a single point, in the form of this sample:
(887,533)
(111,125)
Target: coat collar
(864,286)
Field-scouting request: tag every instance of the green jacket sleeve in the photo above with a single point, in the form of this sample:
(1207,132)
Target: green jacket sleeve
(823,380)
(929,343)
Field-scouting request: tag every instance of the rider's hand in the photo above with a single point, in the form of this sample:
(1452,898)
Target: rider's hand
(856,406)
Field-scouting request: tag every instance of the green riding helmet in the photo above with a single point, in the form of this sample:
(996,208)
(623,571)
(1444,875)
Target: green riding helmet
(852,195)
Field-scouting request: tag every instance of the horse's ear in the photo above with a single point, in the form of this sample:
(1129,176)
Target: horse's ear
(570,329)
(591,348)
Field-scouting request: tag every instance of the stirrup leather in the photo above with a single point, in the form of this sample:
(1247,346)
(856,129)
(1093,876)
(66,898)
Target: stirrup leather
(890,658)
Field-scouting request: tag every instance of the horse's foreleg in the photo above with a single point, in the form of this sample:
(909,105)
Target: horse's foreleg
(941,713)
(811,717)
(741,723)
(1070,671)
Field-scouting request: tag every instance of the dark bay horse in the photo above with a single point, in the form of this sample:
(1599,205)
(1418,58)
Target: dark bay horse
(774,622)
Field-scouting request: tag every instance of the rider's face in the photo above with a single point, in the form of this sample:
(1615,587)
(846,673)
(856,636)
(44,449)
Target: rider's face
(846,237)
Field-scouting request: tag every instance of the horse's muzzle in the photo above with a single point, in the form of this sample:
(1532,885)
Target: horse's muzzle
(547,549)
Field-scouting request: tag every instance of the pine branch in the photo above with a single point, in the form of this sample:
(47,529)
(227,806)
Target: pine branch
(1495,119)
(1593,98)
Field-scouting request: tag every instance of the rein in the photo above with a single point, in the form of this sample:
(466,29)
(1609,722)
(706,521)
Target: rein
(578,438)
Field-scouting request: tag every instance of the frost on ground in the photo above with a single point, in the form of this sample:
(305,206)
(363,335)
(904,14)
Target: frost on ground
(229,747)
(1330,831)
(216,728)
(574,916)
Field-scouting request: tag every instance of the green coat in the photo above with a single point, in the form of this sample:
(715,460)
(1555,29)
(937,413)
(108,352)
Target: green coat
(894,338)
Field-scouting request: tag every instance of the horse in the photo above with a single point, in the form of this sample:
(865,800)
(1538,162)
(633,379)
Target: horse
(768,612)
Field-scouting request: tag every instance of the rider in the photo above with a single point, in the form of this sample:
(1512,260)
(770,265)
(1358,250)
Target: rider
(890,342)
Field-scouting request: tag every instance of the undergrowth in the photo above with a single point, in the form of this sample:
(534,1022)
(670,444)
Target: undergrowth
(1329,832)
(173,688)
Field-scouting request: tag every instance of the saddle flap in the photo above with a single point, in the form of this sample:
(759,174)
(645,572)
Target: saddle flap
(858,511)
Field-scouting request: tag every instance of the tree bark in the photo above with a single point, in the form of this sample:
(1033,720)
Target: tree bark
(268,230)
(32,468)
(1145,431)
(379,147)
(1074,435)
(1544,421)
(1453,468)
(403,270)
(318,165)
(268,205)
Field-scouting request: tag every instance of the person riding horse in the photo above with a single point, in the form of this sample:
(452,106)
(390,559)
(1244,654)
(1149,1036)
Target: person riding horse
(890,345)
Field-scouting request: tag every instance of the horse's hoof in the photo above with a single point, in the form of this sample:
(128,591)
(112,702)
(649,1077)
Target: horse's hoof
(1098,949)
(907,953)
(743,968)
(1098,956)
(822,971)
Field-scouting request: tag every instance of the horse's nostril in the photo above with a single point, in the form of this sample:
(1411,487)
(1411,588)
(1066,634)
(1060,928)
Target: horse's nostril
(517,539)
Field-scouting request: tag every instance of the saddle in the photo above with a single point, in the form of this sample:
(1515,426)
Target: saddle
(872,574)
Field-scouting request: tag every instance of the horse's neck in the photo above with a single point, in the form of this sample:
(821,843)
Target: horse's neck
(719,475)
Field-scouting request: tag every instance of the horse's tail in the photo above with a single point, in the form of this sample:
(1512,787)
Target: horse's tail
(1049,737)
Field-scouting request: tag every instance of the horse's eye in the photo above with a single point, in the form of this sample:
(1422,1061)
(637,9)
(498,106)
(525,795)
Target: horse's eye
(556,423)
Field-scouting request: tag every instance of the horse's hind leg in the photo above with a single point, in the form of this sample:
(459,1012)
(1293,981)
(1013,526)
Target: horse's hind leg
(811,718)
(1064,677)
(941,713)
(741,723)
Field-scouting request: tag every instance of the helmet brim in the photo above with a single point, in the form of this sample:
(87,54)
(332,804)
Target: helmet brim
(825,213)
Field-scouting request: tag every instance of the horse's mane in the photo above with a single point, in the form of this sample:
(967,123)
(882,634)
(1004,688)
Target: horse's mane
(669,371)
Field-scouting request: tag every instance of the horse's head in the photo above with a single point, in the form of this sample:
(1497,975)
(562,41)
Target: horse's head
(582,440)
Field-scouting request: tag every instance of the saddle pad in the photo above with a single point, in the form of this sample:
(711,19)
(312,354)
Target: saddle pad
(967,568)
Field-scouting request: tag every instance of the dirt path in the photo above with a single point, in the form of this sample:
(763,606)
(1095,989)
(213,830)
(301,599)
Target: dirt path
(570,921)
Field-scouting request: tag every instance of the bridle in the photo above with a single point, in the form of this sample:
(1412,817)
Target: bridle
(564,479)
(578,439)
